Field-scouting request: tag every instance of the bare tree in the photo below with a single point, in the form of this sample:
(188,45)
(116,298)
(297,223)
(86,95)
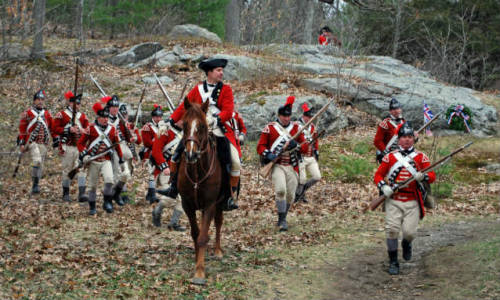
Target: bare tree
(233,31)
(39,16)
(308,21)
(79,22)
(397,27)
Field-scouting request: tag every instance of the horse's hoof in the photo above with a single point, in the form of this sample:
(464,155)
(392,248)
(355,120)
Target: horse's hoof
(199,281)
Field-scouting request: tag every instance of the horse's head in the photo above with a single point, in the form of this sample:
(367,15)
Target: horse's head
(195,130)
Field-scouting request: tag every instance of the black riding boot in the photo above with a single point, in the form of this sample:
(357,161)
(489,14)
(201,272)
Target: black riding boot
(393,262)
(151,196)
(171,191)
(406,249)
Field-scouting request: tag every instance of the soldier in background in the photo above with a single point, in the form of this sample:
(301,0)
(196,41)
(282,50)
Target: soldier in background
(68,135)
(386,138)
(275,143)
(35,128)
(309,163)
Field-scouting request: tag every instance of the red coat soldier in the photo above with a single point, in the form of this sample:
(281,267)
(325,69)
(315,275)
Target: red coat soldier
(309,163)
(98,139)
(35,128)
(239,128)
(405,207)
(68,135)
(149,134)
(275,143)
(386,138)
(163,150)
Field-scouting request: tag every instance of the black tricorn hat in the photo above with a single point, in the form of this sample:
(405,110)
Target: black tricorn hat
(405,129)
(325,28)
(394,104)
(210,64)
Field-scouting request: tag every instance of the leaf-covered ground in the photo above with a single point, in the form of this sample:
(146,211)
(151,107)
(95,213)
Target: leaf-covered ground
(51,249)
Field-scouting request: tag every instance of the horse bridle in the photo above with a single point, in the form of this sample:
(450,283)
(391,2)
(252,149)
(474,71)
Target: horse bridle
(196,183)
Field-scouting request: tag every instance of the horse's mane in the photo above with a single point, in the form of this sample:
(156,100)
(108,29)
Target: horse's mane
(194,111)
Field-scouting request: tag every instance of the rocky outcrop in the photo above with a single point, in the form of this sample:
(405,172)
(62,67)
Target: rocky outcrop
(135,54)
(244,68)
(193,31)
(165,80)
(257,112)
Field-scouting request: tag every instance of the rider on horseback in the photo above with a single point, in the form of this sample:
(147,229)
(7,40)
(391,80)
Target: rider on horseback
(220,97)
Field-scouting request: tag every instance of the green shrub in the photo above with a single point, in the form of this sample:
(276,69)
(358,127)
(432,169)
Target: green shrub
(352,169)
(442,190)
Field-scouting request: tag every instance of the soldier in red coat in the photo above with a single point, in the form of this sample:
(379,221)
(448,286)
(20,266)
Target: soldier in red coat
(220,111)
(149,133)
(35,128)
(386,138)
(275,143)
(99,137)
(405,207)
(163,150)
(68,135)
(309,163)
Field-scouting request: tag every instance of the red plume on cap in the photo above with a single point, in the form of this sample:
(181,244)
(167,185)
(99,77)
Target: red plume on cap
(69,95)
(97,107)
(305,108)
(156,106)
(290,100)
(105,99)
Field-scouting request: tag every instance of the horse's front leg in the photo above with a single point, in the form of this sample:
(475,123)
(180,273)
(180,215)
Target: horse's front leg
(219,217)
(202,242)
(195,231)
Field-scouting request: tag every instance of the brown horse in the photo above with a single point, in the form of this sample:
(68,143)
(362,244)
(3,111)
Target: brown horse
(201,183)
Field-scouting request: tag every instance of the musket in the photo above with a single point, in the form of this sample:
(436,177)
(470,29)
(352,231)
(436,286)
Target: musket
(97,85)
(184,89)
(429,123)
(73,117)
(164,92)
(266,170)
(19,158)
(106,151)
(140,106)
(377,201)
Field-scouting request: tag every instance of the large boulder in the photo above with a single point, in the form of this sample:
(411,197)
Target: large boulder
(244,68)
(14,51)
(372,82)
(257,112)
(135,54)
(193,31)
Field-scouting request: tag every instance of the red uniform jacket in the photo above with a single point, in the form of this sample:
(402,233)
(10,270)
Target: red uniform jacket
(397,173)
(149,133)
(89,144)
(385,131)
(225,104)
(164,147)
(271,141)
(62,123)
(310,134)
(35,126)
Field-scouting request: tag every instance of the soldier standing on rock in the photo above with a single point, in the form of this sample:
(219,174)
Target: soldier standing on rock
(35,127)
(275,143)
(309,162)
(386,138)
(405,207)
(68,135)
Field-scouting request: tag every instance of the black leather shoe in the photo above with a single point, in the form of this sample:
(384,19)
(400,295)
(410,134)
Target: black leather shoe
(394,268)
(406,249)
(108,205)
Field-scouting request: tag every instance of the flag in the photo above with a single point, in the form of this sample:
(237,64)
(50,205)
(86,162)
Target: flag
(428,115)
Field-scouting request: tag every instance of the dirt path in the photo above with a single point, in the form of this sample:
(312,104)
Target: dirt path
(447,263)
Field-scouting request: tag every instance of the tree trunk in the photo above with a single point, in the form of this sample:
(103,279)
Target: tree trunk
(79,22)
(308,22)
(397,29)
(39,16)
(233,31)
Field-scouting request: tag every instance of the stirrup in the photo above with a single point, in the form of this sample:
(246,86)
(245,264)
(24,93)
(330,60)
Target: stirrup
(230,205)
